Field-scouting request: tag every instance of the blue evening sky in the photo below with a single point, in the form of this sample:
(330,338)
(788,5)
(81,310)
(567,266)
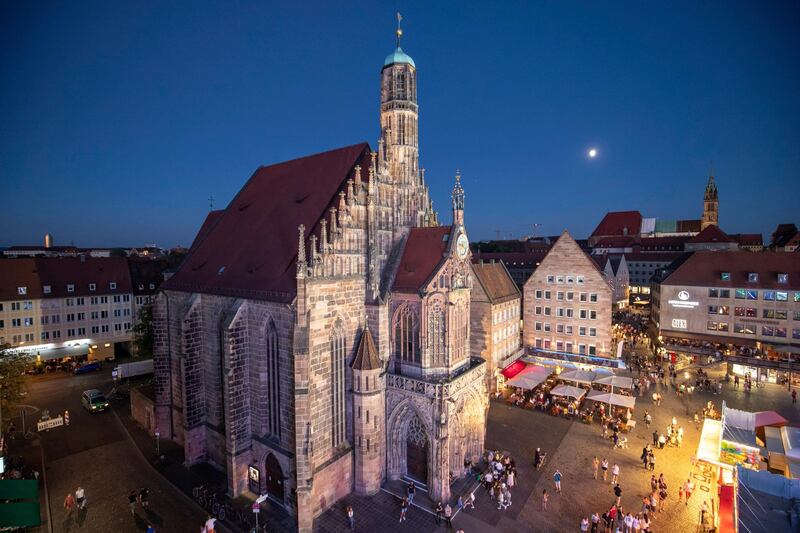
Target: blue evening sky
(119,119)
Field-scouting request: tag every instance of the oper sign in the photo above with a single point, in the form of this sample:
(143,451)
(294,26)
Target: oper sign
(683,301)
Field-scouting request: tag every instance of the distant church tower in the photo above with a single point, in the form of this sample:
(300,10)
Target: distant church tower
(710,205)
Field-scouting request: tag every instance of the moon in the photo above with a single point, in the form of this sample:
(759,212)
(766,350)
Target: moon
(592,153)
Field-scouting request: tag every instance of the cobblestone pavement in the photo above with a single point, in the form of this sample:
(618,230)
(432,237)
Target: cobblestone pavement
(571,447)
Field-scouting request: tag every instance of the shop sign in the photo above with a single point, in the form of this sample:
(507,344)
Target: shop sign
(254,479)
(679,323)
(49,424)
(683,301)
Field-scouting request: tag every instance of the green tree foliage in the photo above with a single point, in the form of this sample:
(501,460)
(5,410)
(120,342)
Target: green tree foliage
(12,380)
(143,332)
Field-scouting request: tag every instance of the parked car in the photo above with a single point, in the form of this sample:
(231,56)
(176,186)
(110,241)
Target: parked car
(88,367)
(94,401)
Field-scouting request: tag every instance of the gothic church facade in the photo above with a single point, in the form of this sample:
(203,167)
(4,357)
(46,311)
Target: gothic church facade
(315,341)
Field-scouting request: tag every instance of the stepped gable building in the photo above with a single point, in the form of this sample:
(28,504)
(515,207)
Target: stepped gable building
(315,340)
(568,303)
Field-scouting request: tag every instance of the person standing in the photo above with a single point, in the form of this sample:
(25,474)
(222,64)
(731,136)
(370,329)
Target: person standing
(557,479)
(584,524)
(655,438)
(448,515)
(351,518)
(403,509)
(703,512)
(470,501)
(595,466)
(210,524)
(545,498)
(688,487)
(604,466)
(794,396)
(144,498)
(412,488)
(595,522)
(132,496)
(69,503)
(614,473)
(80,497)
(439,513)
(618,493)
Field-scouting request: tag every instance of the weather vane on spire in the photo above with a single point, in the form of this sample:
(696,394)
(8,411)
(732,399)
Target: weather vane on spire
(399,29)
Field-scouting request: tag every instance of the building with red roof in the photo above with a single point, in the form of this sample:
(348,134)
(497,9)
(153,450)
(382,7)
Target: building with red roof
(327,283)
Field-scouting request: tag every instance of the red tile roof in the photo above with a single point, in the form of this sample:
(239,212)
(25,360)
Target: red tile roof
(661,257)
(15,273)
(211,219)
(495,281)
(703,269)
(58,272)
(423,252)
(656,243)
(748,239)
(251,250)
(615,242)
(711,234)
(614,223)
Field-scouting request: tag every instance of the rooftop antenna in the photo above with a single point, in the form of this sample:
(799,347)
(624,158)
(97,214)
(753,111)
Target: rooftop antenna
(399,29)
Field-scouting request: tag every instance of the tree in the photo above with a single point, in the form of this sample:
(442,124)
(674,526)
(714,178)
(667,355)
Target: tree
(143,332)
(12,380)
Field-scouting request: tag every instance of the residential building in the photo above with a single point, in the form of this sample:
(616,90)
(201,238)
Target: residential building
(495,317)
(735,303)
(55,307)
(785,238)
(615,269)
(568,303)
(315,340)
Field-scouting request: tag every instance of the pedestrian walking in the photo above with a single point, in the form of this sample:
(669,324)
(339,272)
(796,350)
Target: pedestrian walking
(439,512)
(688,488)
(460,503)
(69,503)
(680,494)
(410,490)
(545,498)
(351,518)
(703,512)
(655,438)
(618,493)
(470,501)
(604,466)
(144,497)
(557,479)
(448,515)
(80,497)
(595,522)
(595,466)
(628,521)
(614,473)
(648,419)
(403,509)
(132,497)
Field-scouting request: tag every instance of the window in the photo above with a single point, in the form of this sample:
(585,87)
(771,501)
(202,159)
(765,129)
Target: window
(45,335)
(797,315)
(582,331)
(104,299)
(783,277)
(79,301)
(55,319)
(559,328)
(579,280)
(711,325)
(112,286)
(796,333)
(752,294)
(713,293)
(28,320)
(103,314)
(780,332)
(769,295)
(592,315)
(568,330)
(582,297)
(560,295)
(2,324)
(547,295)
(768,331)
(56,334)
(338,407)
(538,310)
(725,276)
(782,296)
(27,306)
(538,295)
(570,279)
(547,326)
(81,331)
(81,316)
(569,312)
(551,279)
(117,327)
(152,286)
(16,322)
(722,326)
(593,297)
(70,317)
(570,296)
(582,349)
(126,297)
(752,277)
(15,306)
(95,330)
(744,329)
(104,328)
(273,380)
(592,349)
(718,309)
(93,287)
(47,289)
(582,313)
(70,302)
(22,291)
(796,298)
(559,279)
(70,287)
(568,347)
(724,293)
(741,294)
(777,314)
(70,332)
(95,315)
(117,298)
(538,326)
(117,313)
(547,311)
(560,311)
(406,334)
(593,332)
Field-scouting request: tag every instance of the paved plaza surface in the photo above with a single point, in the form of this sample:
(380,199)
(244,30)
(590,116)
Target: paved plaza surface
(571,445)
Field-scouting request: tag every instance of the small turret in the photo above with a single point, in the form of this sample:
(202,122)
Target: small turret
(368,411)
(458,201)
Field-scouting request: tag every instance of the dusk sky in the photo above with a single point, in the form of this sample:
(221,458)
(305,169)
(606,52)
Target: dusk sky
(118,120)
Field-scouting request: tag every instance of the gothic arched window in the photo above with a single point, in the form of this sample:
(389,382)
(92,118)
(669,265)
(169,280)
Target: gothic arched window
(405,335)
(338,356)
(436,334)
(273,380)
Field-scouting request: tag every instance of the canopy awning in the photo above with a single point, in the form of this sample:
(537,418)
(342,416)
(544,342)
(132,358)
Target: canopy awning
(568,390)
(612,398)
(530,378)
(785,348)
(616,381)
(770,418)
(579,376)
(513,369)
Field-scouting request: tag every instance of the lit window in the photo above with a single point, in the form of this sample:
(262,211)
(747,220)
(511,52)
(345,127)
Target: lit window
(92,286)
(725,276)
(752,277)
(70,287)
(783,277)
(112,285)
(47,289)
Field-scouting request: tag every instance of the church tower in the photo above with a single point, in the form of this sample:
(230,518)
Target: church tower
(458,202)
(710,205)
(369,416)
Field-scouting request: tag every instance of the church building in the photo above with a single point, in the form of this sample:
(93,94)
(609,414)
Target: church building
(315,342)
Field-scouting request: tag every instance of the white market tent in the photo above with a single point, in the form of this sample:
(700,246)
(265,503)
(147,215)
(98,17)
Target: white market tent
(616,381)
(568,390)
(579,376)
(612,399)
(530,377)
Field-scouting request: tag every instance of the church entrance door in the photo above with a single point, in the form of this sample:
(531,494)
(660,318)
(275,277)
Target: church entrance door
(417,452)
(274,478)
